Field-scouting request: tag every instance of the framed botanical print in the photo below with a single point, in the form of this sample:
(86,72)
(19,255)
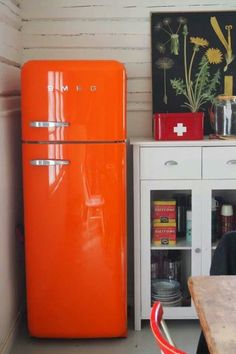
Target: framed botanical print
(193,61)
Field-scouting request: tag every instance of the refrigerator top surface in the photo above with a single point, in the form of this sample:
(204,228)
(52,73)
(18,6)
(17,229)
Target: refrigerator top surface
(73,100)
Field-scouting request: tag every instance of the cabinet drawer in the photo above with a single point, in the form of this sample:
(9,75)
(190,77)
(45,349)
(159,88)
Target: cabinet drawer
(219,162)
(170,163)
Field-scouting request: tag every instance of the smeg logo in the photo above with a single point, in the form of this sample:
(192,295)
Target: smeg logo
(67,88)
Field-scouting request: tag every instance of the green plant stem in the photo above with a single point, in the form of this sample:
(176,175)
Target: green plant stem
(165,95)
(167,42)
(190,73)
(169,33)
(170,28)
(191,65)
(178,28)
(186,73)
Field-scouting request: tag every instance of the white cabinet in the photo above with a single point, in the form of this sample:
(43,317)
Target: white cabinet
(170,163)
(197,171)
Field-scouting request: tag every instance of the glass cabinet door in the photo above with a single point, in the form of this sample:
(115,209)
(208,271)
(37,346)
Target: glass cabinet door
(171,215)
(219,216)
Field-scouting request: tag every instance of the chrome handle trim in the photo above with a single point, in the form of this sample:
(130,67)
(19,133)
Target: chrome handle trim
(171,163)
(49,162)
(231,162)
(39,124)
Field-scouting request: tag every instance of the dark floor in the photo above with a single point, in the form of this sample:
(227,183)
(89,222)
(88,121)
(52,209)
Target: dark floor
(184,332)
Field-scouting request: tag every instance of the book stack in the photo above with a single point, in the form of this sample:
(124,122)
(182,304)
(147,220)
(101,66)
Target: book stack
(164,222)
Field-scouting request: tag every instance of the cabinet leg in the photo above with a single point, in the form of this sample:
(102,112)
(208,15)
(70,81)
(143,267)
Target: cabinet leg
(137,323)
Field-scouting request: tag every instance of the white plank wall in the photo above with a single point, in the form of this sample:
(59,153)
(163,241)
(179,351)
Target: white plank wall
(80,29)
(10,171)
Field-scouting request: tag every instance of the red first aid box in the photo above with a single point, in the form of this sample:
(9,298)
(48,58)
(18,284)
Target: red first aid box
(178,126)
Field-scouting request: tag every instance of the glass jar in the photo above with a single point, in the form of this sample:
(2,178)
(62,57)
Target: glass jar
(225,116)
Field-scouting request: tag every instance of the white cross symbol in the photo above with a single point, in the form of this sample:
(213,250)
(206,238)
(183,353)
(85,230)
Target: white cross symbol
(180,129)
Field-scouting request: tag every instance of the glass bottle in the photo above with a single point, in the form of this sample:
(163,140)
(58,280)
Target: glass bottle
(225,116)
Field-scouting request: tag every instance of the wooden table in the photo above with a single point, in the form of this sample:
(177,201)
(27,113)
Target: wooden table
(215,301)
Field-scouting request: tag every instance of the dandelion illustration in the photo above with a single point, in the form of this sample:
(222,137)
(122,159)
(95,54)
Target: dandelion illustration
(182,21)
(166,22)
(214,56)
(164,64)
(159,26)
(202,88)
(165,26)
(229,57)
(205,86)
(161,48)
(199,42)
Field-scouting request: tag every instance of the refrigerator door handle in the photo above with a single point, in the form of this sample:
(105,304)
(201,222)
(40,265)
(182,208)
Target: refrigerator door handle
(39,124)
(49,162)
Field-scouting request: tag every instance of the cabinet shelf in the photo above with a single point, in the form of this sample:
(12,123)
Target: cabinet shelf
(180,245)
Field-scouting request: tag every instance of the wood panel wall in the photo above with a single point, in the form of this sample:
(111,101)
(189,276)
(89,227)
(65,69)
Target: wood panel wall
(80,29)
(10,170)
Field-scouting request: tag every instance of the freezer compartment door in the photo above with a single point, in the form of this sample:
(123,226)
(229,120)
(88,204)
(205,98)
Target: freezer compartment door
(75,223)
(73,101)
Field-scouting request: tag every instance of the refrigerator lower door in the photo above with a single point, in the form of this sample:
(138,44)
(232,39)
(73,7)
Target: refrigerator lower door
(75,223)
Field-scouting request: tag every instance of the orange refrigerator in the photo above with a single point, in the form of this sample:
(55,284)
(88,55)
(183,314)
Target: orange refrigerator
(74,183)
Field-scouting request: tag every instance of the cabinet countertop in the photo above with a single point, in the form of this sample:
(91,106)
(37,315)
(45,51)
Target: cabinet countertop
(149,141)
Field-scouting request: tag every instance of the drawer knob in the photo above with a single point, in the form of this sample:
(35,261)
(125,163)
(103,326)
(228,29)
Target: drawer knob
(198,250)
(231,162)
(171,163)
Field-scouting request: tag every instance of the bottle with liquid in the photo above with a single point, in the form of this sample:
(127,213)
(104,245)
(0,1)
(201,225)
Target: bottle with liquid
(226,218)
